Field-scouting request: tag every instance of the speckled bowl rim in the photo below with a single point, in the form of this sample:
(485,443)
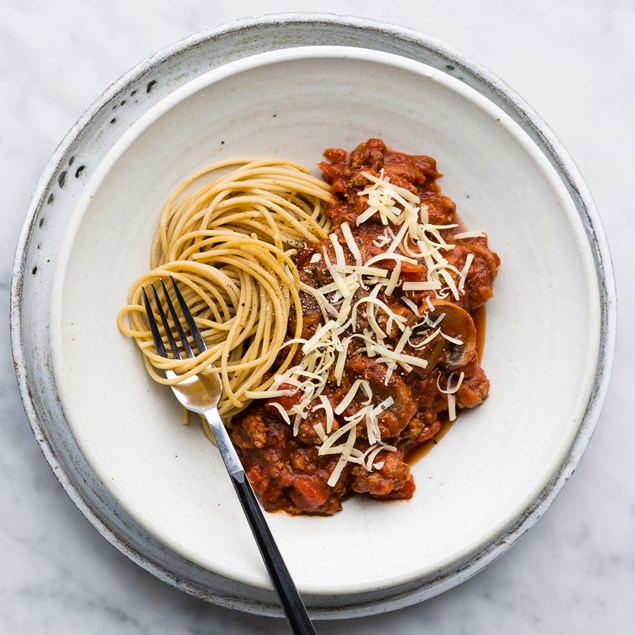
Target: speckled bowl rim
(410,43)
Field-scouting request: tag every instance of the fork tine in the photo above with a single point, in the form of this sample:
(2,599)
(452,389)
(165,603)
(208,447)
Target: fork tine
(194,330)
(158,342)
(177,324)
(166,325)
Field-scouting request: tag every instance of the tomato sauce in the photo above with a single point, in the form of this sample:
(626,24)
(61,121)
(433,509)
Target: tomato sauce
(284,466)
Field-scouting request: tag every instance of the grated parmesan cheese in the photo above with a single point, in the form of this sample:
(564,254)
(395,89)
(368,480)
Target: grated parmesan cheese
(471,234)
(407,237)
(451,391)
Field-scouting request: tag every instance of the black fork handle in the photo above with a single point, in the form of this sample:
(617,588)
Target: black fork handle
(292,603)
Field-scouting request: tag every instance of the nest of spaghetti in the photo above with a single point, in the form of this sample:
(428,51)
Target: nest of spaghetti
(228,235)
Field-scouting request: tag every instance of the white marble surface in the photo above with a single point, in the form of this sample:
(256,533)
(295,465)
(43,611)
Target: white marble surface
(574,62)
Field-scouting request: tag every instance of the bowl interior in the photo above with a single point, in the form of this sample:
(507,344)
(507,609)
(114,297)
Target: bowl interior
(542,325)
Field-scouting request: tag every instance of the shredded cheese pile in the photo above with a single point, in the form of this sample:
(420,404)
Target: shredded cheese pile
(408,237)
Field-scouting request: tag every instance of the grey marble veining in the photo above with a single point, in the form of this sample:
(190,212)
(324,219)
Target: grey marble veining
(575,571)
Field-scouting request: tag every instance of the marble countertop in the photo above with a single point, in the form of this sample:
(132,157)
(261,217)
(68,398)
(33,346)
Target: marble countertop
(575,571)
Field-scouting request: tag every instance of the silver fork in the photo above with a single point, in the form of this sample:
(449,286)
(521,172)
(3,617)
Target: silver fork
(201,395)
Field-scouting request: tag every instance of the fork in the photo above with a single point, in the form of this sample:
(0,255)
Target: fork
(201,395)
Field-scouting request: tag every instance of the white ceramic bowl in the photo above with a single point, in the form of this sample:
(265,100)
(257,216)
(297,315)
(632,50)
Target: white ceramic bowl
(549,333)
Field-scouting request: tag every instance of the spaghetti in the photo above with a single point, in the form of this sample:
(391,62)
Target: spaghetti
(228,235)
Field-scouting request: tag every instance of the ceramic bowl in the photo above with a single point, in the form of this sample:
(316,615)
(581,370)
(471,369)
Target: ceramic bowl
(157,489)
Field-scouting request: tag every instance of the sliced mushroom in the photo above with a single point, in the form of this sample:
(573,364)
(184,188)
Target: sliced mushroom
(457,324)
(396,418)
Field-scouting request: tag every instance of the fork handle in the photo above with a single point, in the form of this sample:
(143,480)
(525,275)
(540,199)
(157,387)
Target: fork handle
(292,603)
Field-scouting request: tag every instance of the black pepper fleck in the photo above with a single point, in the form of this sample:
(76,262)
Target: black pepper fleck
(113,120)
(61,179)
(34,270)
(79,170)
(51,198)
(150,85)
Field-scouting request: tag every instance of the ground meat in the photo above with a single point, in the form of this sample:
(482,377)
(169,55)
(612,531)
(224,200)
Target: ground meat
(480,277)
(394,420)
(284,465)
(384,481)
(311,317)
(286,473)
(475,387)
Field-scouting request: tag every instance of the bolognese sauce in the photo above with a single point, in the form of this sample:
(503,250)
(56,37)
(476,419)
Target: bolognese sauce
(388,345)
